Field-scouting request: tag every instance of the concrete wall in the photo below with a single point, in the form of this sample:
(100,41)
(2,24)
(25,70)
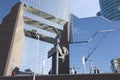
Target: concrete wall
(11,40)
(68,77)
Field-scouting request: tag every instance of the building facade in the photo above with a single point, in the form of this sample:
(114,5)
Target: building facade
(32,35)
(110,9)
(96,43)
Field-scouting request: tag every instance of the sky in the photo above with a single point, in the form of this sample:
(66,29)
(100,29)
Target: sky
(80,8)
(5,6)
(84,8)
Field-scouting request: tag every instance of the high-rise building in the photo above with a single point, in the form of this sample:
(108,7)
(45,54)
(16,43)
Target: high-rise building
(110,9)
(96,43)
(28,32)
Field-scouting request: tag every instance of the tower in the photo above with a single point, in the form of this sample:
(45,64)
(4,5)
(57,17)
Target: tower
(20,29)
(110,9)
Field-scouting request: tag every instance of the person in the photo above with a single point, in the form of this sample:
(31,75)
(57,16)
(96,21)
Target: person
(75,72)
(50,72)
(15,71)
(96,71)
(72,71)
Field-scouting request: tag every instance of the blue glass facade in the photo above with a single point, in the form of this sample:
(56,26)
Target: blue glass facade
(59,9)
(101,42)
(110,9)
(29,56)
(33,47)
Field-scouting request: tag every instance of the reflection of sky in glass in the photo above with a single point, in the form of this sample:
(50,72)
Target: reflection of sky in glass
(105,45)
(28,27)
(58,8)
(34,17)
(31,45)
(29,55)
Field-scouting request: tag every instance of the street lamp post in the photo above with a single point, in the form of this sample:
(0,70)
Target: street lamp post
(57,53)
(84,66)
(57,62)
(43,64)
(36,56)
(91,64)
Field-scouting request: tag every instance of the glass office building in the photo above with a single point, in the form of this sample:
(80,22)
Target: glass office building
(96,43)
(33,29)
(110,9)
(42,16)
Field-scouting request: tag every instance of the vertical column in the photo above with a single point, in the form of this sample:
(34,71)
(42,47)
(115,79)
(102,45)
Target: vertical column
(63,66)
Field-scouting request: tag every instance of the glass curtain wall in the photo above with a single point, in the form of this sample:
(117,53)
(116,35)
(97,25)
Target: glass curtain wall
(32,46)
(98,44)
(110,9)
